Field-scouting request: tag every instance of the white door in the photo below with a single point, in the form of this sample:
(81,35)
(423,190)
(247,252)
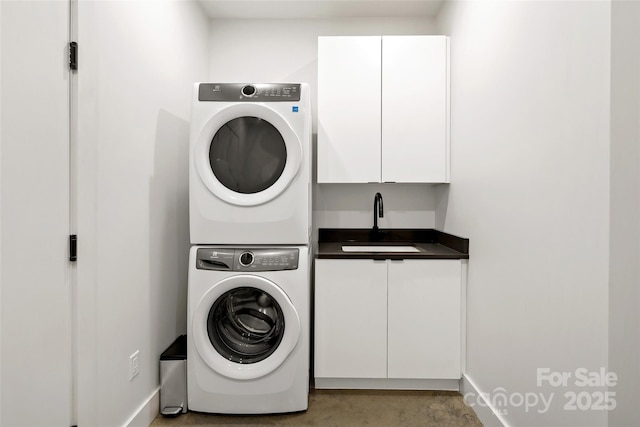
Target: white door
(350,318)
(415,109)
(424,319)
(349,77)
(36,316)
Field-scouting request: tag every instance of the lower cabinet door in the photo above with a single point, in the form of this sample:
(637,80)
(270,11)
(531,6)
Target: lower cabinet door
(350,319)
(424,319)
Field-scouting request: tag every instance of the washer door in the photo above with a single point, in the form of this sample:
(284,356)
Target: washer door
(247,154)
(245,326)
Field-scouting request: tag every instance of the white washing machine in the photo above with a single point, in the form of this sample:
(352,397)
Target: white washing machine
(248,329)
(250,164)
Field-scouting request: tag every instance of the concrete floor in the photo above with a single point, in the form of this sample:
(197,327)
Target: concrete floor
(344,408)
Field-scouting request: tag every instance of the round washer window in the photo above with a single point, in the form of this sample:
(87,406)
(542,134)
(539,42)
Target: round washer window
(245,325)
(247,155)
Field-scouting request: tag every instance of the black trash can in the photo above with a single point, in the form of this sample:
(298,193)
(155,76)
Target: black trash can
(173,378)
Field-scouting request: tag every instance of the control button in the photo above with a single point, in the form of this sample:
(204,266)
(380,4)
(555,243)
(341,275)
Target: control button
(249,90)
(246,258)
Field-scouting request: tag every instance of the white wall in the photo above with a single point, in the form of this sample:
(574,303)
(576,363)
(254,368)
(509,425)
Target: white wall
(1,38)
(351,205)
(286,50)
(624,295)
(34,274)
(530,188)
(138,62)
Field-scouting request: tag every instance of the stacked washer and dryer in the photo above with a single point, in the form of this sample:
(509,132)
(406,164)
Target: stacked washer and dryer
(249,296)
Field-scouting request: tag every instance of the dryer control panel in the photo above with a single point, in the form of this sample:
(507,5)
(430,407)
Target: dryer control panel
(249,92)
(249,259)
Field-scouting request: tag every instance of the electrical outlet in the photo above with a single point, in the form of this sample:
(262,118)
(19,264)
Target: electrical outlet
(134,364)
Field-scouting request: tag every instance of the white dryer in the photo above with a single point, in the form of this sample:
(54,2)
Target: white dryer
(250,164)
(248,329)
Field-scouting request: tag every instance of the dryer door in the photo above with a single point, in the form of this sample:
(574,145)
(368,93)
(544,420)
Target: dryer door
(245,326)
(247,154)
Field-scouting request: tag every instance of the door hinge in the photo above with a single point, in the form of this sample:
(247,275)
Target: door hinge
(73,55)
(73,248)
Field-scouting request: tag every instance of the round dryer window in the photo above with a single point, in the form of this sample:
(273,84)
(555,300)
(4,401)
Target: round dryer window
(247,154)
(245,326)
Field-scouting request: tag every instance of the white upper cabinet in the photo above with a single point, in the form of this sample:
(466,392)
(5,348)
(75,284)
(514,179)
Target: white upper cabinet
(349,98)
(383,104)
(415,109)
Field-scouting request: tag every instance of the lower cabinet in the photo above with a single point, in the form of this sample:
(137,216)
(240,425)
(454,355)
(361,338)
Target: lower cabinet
(351,319)
(388,319)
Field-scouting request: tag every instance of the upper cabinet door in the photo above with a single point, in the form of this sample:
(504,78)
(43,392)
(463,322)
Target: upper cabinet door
(415,104)
(349,103)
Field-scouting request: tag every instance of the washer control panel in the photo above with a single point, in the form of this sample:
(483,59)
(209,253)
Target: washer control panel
(249,92)
(250,259)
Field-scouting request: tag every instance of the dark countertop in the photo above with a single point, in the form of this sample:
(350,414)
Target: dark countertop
(433,244)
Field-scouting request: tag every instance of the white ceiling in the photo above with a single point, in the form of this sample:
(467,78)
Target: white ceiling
(291,9)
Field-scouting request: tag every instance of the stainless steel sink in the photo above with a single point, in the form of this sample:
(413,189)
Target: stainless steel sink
(379,248)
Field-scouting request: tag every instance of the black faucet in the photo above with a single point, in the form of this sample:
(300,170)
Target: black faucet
(377,203)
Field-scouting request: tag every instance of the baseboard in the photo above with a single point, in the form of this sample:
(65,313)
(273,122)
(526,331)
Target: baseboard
(385,384)
(483,408)
(147,412)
